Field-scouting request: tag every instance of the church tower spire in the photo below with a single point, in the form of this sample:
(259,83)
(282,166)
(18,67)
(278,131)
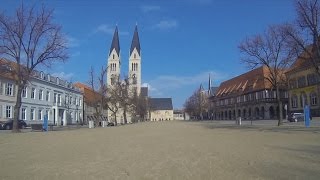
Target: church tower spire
(113,68)
(135,62)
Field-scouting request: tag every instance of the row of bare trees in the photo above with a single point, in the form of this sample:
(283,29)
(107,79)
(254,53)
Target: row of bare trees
(120,97)
(197,105)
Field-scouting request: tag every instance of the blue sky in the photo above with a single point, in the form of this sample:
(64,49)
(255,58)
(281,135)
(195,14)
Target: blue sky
(182,41)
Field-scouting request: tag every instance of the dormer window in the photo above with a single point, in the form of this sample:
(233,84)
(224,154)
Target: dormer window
(112,56)
(134,55)
(41,75)
(58,81)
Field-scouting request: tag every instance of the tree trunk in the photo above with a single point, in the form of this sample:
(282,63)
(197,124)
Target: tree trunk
(125,114)
(280,106)
(115,118)
(15,125)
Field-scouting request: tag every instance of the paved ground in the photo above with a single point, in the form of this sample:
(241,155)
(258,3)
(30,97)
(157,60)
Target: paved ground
(165,150)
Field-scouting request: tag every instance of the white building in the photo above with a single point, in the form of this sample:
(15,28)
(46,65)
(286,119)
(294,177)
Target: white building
(44,95)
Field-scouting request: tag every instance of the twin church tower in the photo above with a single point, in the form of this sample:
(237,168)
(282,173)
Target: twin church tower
(114,61)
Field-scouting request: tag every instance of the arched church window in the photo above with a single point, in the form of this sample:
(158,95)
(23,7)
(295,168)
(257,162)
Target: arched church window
(134,55)
(112,56)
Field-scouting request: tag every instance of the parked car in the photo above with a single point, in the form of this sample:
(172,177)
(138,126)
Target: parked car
(8,124)
(295,117)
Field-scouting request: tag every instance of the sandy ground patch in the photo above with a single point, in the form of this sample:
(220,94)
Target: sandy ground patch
(163,150)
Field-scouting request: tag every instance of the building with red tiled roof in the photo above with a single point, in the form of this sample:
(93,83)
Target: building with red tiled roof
(93,110)
(249,96)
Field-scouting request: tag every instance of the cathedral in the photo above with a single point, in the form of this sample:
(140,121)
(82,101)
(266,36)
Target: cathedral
(114,67)
(159,109)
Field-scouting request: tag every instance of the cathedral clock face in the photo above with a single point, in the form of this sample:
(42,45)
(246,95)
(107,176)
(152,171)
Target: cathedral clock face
(134,76)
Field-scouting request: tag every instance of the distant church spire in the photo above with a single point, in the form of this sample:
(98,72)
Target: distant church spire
(115,42)
(209,85)
(135,41)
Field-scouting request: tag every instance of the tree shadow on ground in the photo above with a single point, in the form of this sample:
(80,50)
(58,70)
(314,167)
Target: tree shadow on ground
(259,127)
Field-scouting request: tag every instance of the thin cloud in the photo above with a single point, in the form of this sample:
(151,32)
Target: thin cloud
(108,29)
(72,42)
(166,24)
(63,75)
(149,8)
(104,28)
(165,82)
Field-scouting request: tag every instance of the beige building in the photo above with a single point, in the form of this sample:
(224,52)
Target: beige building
(160,109)
(93,110)
(304,87)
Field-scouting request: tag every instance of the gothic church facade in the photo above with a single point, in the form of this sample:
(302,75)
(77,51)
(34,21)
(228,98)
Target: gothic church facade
(114,67)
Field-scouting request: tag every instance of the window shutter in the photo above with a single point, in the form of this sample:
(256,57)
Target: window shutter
(14,89)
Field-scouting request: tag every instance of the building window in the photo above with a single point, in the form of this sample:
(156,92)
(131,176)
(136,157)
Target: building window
(301,81)
(313,99)
(112,56)
(294,100)
(70,102)
(32,114)
(55,97)
(134,55)
(40,94)
(24,92)
(9,89)
(8,111)
(23,113)
(40,115)
(59,98)
(47,114)
(312,79)
(33,93)
(48,96)
(80,102)
(292,84)
(303,100)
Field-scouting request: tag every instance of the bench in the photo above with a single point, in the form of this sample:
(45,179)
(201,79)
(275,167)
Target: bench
(36,127)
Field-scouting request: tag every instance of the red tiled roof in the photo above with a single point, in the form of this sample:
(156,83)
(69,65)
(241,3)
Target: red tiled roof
(89,95)
(251,81)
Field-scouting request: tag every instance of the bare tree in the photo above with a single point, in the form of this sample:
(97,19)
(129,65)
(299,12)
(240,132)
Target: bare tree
(269,49)
(197,104)
(304,32)
(30,38)
(99,88)
(138,106)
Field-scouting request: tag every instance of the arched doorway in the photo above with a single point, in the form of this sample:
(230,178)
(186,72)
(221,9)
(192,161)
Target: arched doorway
(271,112)
(262,112)
(244,114)
(234,114)
(239,113)
(229,114)
(249,114)
(257,113)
